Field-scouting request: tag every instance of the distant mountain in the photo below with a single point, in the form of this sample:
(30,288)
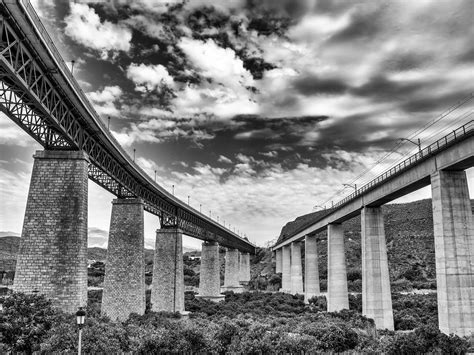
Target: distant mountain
(8,251)
(9,246)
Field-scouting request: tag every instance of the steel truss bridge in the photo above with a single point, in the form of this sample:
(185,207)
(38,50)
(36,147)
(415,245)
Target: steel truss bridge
(39,93)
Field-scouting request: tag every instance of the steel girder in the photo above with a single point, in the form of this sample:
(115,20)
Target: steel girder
(33,99)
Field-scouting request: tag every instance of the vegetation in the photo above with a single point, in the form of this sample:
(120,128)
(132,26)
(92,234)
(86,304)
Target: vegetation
(244,323)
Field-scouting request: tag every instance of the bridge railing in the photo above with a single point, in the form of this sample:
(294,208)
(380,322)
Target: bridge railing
(454,136)
(31,12)
(457,135)
(57,56)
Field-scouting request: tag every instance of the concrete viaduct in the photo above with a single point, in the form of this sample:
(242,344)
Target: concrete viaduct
(442,165)
(38,92)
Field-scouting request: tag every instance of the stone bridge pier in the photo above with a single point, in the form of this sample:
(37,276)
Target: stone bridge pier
(124,283)
(52,258)
(167,292)
(209,277)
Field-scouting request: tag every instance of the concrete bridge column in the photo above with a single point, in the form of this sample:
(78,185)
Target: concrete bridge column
(124,284)
(454,251)
(209,278)
(231,275)
(376,295)
(278,260)
(167,292)
(311,270)
(52,258)
(286,269)
(337,275)
(296,269)
(244,269)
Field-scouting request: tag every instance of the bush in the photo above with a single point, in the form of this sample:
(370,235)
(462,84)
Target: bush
(427,339)
(25,321)
(99,336)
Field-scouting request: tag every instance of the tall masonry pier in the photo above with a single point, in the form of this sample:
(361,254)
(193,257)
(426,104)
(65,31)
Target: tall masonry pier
(53,246)
(124,283)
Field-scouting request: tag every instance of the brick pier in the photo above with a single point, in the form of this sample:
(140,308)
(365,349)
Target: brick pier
(53,247)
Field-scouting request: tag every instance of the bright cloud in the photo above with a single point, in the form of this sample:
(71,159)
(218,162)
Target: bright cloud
(149,77)
(85,27)
(104,100)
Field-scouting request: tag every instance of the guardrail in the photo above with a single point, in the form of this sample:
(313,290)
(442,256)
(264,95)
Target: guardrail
(457,135)
(69,78)
(59,59)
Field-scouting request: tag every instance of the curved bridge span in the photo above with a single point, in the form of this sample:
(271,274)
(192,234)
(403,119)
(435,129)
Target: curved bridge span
(38,92)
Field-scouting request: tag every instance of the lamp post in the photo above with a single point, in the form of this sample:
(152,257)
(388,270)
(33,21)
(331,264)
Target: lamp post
(72,66)
(80,318)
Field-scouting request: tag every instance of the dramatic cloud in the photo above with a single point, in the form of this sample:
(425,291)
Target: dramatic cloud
(104,101)
(84,26)
(262,109)
(149,77)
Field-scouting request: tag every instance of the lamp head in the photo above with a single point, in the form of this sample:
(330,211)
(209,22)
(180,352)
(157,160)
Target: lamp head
(80,317)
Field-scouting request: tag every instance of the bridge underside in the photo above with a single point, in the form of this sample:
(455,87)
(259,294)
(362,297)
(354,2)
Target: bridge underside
(36,94)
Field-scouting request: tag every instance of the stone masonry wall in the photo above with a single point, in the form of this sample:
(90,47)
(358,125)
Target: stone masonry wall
(53,247)
(167,292)
(124,284)
(209,279)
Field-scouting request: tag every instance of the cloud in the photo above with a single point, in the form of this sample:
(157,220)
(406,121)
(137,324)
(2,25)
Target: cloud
(221,65)
(310,85)
(11,134)
(104,101)
(149,77)
(223,159)
(85,27)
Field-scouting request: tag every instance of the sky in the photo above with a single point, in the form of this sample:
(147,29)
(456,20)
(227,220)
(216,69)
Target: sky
(258,110)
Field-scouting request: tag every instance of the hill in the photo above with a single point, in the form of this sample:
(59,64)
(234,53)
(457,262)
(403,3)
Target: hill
(410,248)
(410,245)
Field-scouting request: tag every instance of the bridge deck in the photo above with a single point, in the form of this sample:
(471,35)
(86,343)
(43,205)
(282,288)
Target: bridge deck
(455,151)
(38,92)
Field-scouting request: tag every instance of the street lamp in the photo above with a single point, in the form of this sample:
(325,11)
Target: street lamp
(80,318)
(72,66)
(188,200)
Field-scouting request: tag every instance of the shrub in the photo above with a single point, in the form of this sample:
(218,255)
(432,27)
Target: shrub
(99,336)
(427,339)
(25,321)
